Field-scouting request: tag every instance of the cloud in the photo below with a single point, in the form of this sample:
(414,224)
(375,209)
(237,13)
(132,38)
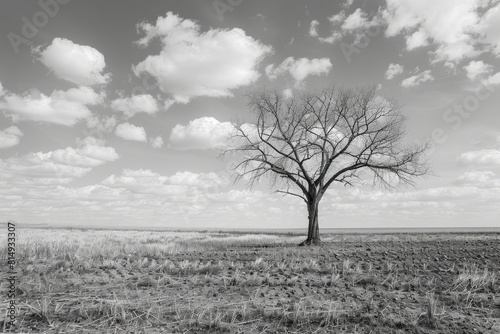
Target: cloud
(477,69)
(156,142)
(1,90)
(101,123)
(287,93)
(347,3)
(494,79)
(198,180)
(485,157)
(490,27)
(478,178)
(129,131)
(299,69)
(61,107)
(417,79)
(457,30)
(149,182)
(90,153)
(337,18)
(342,25)
(201,133)
(417,40)
(58,166)
(135,104)
(239,196)
(358,21)
(336,36)
(143,181)
(439,196)
(393,70)
(10,137)
(194,63)
(313,28)
(79,64)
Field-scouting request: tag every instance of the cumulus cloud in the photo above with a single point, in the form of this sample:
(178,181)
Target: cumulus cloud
(494,79)
(58,166)
(478,178)
(194,63)
(79,64)
(358,20)
(337,18)
(438,195)
(334,37)
(198,180)
(1,90)
(10,137)
(129,131)
(201,133)
(239,196)
(147,181)
(417,40)
(135,104)
(101,123)
(477,69)
(393,70)
(143,181)
(457,30)
(313,28)
(90,153)
(417,79)
(299,69)
(156,142)
(342,24)
(61,107)
(485,157)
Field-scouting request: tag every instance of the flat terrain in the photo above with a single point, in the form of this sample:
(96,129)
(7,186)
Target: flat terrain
(89,281)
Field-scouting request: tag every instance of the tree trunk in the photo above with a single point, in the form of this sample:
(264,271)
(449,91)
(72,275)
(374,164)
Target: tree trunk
(313,228)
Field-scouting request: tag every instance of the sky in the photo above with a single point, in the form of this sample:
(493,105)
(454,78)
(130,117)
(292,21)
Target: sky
(113,113)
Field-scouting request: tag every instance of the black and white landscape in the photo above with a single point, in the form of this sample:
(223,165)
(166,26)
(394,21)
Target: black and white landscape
(250,166)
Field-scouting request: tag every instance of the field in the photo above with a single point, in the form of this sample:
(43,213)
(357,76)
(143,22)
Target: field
(91,281)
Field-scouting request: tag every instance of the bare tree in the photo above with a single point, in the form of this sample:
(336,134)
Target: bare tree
(305,144)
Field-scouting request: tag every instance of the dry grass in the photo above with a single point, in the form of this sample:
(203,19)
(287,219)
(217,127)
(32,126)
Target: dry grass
(168,282)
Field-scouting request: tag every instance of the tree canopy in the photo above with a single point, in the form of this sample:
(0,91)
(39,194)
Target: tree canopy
(305,144)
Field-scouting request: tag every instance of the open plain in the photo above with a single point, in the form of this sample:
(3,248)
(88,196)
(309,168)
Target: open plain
(103,281)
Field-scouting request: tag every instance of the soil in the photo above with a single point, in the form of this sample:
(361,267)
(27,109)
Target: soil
(353,284)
